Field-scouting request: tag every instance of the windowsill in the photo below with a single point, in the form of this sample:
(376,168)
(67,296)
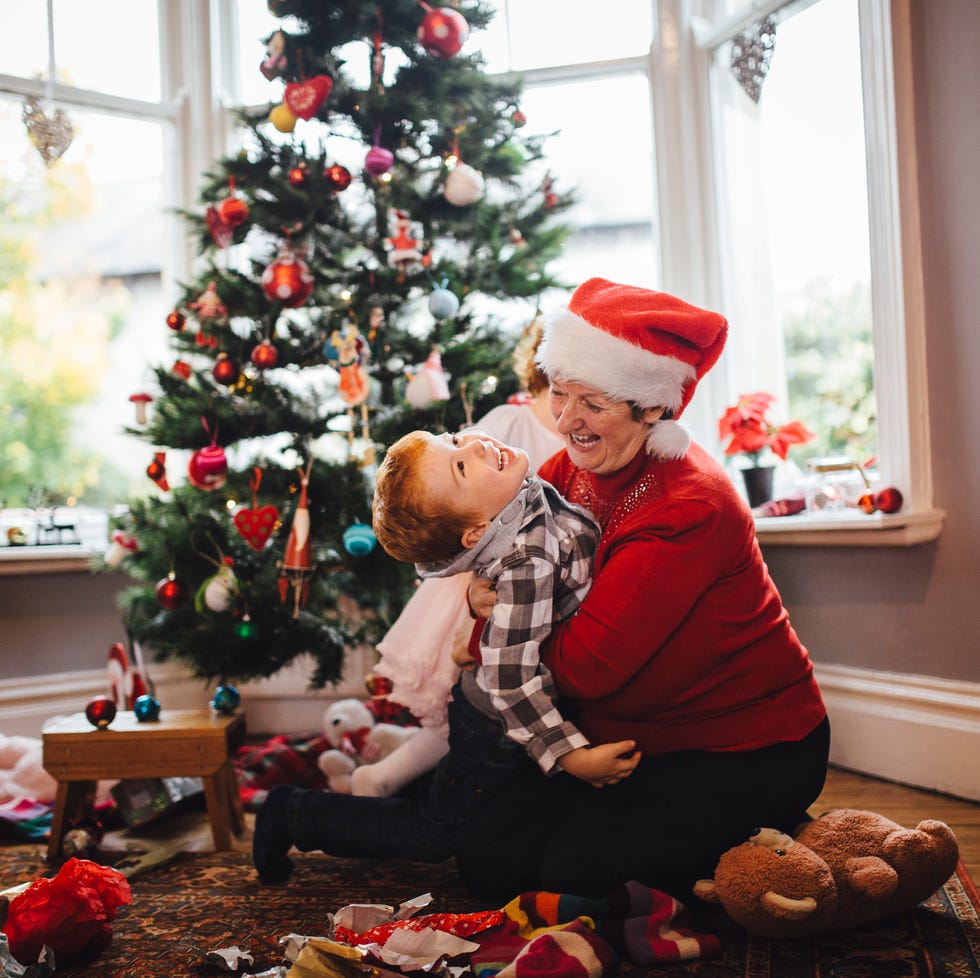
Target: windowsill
(850,529)
(47,559)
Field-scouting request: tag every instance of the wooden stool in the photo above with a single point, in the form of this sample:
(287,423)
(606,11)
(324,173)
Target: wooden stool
(182,743)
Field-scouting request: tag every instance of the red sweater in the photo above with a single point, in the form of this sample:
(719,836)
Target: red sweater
(683,642)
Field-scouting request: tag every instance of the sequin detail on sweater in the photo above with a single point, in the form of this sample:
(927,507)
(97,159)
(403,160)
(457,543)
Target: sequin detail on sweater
(610,512)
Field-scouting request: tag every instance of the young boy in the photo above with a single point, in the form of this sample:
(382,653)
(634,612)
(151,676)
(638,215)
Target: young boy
(455,503)
(460,502)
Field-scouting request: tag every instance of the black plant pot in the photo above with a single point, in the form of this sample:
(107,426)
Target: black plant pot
(758,484)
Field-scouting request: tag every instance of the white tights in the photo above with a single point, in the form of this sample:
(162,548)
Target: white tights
(406,762)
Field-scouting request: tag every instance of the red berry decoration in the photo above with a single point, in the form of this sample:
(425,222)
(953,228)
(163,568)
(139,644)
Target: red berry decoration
(264,355)
(101,711)
(225,371)
(208,468)
(233,211)
(176,321)
(171,593)
(287,280)
(337,176)
(443,32)
(889,500)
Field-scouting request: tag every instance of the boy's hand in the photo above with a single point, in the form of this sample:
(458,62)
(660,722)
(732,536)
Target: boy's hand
(481,596)
(602,765)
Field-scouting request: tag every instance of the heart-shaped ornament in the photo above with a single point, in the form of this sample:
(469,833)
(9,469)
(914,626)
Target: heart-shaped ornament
(256,525)
(50,134)
(304,99)
(751,56)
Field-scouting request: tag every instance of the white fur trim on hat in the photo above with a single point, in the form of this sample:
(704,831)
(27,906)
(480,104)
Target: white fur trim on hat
(668,439)
(573,349)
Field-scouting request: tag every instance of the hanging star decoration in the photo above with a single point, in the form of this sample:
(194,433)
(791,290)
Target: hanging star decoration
(751,56)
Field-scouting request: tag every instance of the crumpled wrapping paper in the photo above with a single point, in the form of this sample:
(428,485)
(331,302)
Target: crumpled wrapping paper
(70,912)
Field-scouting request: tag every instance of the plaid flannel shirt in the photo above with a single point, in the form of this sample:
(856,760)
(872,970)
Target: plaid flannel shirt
(540,578)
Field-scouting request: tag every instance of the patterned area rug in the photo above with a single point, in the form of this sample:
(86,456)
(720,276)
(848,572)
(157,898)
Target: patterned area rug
(201,901)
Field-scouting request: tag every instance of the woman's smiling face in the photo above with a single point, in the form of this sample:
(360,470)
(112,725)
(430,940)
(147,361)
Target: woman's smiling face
(472,473)
(601,435)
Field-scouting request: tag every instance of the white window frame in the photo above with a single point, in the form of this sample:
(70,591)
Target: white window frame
(194,100)
(681,58)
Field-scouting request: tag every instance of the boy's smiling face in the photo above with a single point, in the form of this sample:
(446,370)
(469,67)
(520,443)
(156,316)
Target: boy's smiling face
(472,473)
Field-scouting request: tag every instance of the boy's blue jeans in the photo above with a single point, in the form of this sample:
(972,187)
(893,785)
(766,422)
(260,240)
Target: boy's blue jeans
(421,824)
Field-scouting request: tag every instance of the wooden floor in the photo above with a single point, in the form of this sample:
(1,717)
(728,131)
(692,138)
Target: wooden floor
(844,789)
(907,806)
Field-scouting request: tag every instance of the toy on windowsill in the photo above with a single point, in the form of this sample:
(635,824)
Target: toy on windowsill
(355,739)
(846,868)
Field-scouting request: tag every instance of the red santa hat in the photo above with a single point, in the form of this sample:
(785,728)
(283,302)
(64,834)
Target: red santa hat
(636,345)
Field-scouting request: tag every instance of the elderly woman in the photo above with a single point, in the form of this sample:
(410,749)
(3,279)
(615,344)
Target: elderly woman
(682,645)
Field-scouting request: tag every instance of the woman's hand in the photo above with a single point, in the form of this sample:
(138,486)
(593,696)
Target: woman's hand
(481,597)
(602,765)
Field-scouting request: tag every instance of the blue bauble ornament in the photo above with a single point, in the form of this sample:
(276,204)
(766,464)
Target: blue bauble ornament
(146,708)
(359,540)
(443,304)
(226,699)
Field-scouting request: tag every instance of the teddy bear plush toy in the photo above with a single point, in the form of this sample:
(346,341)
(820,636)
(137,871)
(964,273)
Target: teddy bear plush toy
(846,868)
(355,739)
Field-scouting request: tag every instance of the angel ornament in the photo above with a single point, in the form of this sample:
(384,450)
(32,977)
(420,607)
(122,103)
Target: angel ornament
(350,352)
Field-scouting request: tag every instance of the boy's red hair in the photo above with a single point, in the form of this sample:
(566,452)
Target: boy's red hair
(405,522)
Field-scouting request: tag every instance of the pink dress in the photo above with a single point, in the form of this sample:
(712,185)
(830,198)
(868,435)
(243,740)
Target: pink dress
(415,654)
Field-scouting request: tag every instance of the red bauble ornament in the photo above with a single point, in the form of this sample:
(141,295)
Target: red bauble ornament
(176,321)
(297,175)
(233,211)
(225,370)
(264,355)
(182,369)
(171,593)
(889,500)
(101,711)
(337,176)
(443,32)
(208,468)
(304,99)
(287,280)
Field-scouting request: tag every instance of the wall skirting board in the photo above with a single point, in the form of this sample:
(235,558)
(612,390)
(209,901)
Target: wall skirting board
(282,704)
(917,730)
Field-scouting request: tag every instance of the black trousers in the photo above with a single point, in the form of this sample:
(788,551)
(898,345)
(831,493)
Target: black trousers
(665,826)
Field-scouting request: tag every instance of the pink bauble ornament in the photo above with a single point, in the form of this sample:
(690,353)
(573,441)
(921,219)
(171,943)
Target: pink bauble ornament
(443,32)
(378,160)
(208,468)
(287,280)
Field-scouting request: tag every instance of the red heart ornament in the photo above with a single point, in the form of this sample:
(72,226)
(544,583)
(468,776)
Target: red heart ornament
(304,99)
(256,525)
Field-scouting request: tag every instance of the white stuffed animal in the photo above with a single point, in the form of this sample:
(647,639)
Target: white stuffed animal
(21,772)
(356,739)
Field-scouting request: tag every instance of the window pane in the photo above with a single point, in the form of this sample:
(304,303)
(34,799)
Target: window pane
(603,151)
(82,310)
(793,202)
(110,46)
(25,27)
(537,33)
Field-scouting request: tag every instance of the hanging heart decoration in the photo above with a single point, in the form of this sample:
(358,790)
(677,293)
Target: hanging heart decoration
(304,98)
(50,134)
(751,56)
(257,524)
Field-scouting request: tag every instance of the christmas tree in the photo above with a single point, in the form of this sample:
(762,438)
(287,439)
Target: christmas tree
(357,260)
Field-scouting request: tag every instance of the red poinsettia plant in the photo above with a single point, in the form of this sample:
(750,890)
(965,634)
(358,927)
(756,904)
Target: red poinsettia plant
(749,432)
